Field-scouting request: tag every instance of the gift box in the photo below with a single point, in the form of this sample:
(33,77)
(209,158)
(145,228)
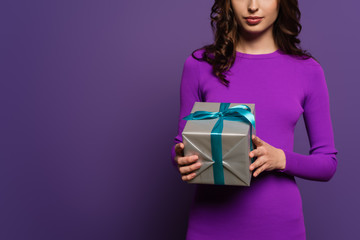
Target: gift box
(221,135)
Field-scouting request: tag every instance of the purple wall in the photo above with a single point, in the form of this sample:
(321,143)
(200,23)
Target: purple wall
(89,105)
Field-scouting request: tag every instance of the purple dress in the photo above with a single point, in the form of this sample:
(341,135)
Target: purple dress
(282,87)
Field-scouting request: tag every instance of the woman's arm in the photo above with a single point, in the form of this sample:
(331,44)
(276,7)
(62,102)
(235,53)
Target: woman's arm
(189,94)
(321,162)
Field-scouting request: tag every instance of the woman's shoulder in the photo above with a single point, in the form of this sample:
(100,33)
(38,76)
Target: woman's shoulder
(304,61)
(304,64)
(198,53)
(194,59)
(310,71)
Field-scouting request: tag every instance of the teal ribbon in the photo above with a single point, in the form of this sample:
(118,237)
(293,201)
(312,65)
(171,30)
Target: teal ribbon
(241,113)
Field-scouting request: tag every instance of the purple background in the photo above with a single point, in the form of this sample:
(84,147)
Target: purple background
(89,96)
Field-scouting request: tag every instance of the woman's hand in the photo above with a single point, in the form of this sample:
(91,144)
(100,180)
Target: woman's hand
(186,165)
(268,157)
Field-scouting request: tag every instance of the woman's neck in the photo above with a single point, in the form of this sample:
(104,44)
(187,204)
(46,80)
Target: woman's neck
(256,43)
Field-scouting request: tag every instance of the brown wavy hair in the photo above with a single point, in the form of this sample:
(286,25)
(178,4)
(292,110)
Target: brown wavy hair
(222,53)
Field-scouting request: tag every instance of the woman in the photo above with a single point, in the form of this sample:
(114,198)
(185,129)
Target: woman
(256,59)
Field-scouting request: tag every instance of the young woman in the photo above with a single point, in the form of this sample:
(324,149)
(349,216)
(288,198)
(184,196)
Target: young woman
(255,58)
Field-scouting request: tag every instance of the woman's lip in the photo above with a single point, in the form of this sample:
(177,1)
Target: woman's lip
(253,20)
(253,17)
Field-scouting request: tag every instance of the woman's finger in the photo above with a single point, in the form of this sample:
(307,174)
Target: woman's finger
(256,152)
(188,177)
(187,160)
(189,168)
(259,170)
(179,149)
(259,162)
(257,141)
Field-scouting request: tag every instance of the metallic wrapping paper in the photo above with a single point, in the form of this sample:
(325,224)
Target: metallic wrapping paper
(235,146)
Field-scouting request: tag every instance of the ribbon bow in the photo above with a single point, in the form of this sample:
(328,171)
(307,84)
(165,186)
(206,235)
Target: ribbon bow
(241,113)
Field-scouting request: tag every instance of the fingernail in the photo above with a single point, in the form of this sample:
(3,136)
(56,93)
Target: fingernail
(195,157)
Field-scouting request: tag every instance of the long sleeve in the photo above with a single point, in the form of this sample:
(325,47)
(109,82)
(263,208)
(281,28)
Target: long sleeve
(321,162)
(189,94)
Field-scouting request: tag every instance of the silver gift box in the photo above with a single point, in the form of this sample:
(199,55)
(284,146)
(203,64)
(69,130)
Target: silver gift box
(236,142)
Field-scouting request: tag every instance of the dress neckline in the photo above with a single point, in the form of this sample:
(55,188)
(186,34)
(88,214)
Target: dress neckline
(276,53)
